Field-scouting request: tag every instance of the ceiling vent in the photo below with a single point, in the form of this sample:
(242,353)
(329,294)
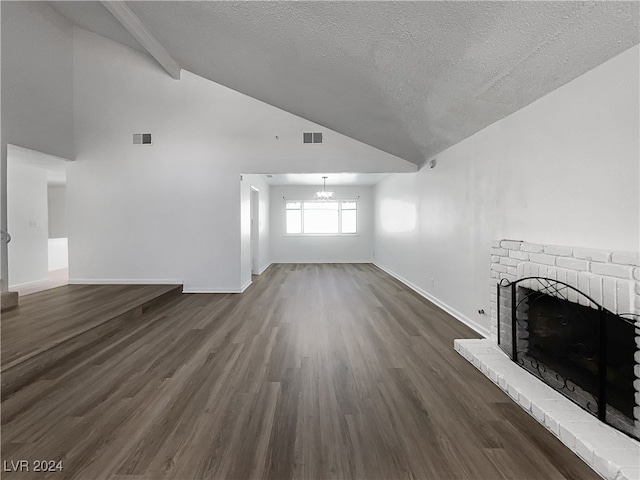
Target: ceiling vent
(142,139)
(315,137)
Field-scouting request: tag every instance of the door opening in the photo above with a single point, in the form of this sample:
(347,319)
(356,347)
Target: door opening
(255,231)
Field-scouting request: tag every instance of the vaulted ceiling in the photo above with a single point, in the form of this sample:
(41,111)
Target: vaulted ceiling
(410,78)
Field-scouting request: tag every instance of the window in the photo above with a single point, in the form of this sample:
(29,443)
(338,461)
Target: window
(321,218)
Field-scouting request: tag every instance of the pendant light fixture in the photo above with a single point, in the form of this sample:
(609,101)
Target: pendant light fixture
(323,194)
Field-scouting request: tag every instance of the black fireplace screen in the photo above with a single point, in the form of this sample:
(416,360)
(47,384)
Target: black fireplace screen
(573,344)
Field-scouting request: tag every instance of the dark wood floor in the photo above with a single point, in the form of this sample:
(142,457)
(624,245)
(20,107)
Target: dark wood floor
(49,317)
(316,371)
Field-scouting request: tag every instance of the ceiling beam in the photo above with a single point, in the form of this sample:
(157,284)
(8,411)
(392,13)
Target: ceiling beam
(134,25)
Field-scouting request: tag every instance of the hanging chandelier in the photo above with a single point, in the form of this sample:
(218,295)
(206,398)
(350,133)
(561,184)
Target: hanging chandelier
(323,194)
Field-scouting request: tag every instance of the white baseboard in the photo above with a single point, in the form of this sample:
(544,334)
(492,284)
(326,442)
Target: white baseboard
(264,268)
(245,286)
(124,281)
(216,290)
(27,284)
(447,308)
(327,261)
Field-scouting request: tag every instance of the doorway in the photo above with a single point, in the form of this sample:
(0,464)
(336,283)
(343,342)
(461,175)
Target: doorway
(255,231)
(36,220)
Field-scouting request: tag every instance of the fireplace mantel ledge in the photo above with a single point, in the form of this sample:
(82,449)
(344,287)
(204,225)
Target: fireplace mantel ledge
(609,452)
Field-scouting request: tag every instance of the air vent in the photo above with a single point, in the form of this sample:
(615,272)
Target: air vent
(309,137)
(142,139)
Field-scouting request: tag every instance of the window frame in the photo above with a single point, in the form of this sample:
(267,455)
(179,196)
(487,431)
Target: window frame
(301,210)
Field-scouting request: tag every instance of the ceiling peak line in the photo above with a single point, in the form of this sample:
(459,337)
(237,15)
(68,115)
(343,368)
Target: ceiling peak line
(141,33)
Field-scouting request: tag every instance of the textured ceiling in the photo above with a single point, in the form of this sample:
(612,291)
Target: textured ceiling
(410,78)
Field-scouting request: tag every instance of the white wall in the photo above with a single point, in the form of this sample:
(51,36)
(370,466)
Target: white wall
(563,170)
(264,252)
(322,249)
(171,211)
(37,78)
(27,221)
(37,89)
(57,199)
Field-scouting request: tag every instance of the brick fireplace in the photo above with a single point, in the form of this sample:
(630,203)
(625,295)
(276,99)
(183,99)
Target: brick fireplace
(609,278)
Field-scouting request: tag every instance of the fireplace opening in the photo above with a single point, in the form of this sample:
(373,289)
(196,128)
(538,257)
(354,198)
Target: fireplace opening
(564,336)
(574,345)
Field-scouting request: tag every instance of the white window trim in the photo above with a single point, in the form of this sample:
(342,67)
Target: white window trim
(335,200)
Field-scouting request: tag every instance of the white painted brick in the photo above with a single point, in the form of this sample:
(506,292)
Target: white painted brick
(518,255)
(624,297)
(628,473)
(595,288)
(636,300)
(543,270)
(584,450)
(561,275)
(604,467)
(626,258)
(512,391)
(573,264)
(508,276)
(612,270)
(512,271)
(532,247)
(537,412)
(609,293)
(511,244)
(495,258)
(499,251)
(524,401)
(592,254)
(636,370)
(551,424)
(496,267)
(636,413)
(542,258)
(558,250)
(495,275)
(511,262)
(567,437)
(524,269)
(636,273)
(495,243)
(502,382)
(572,279)
(583,286)
(552,273)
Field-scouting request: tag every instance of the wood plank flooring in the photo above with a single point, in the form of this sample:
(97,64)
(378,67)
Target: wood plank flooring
(316,371)
(47,318)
